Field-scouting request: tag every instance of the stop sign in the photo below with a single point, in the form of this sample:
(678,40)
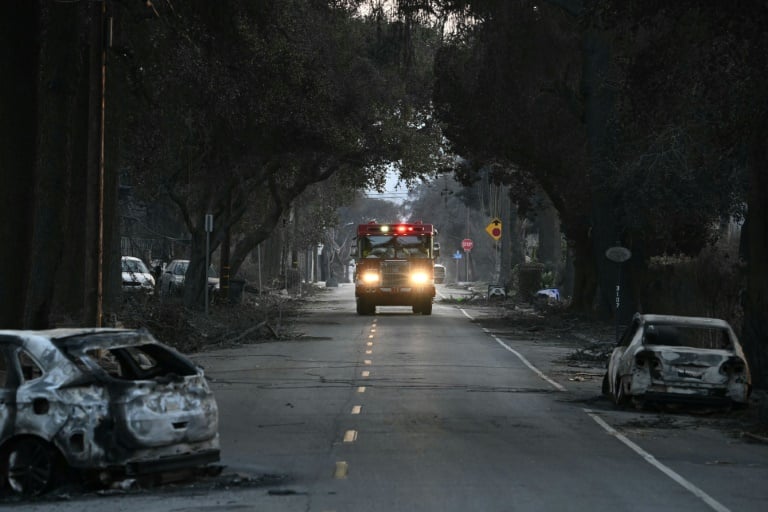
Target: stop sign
(467,244)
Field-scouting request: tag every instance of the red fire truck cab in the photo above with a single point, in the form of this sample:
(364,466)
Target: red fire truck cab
(395,266)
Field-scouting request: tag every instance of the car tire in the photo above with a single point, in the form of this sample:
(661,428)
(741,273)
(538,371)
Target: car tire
(426,308)
(30,466)
(365,308)
(606,387)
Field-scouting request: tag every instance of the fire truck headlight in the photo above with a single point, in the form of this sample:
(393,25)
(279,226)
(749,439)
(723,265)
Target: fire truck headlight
(370,277)
(419,278)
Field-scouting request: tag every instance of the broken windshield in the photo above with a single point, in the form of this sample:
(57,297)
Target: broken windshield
(707,338)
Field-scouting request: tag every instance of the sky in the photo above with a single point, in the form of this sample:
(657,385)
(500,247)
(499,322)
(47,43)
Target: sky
(394,190)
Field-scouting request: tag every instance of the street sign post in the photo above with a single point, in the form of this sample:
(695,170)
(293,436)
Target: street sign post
(467,245)
(208,231)
(457,256)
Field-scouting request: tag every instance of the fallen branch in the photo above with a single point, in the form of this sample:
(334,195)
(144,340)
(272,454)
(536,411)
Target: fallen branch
(248,331)
(755,437)
(274,333)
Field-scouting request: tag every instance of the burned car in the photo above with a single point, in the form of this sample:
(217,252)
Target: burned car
(666,359)
(106,403)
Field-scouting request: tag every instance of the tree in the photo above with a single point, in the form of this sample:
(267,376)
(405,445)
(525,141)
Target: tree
(698,83)
(509,92)
(542,89)
(260,100)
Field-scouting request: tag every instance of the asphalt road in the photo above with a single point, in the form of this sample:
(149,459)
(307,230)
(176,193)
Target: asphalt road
(402,412)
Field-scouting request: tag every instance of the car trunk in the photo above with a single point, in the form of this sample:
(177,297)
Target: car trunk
(165,411)
(157,397)
(690,367)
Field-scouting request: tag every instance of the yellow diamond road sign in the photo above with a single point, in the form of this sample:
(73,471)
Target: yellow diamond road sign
(494,228)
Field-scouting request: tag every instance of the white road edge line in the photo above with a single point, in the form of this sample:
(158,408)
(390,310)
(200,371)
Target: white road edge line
(706,498)
(520,356)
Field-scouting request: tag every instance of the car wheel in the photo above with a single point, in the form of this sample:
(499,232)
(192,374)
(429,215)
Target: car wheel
(426,308)
(364,308)
(620,397)
(606,388)
(416,308)
(30,466)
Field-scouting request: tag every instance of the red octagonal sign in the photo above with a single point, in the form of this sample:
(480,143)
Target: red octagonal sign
(467,244)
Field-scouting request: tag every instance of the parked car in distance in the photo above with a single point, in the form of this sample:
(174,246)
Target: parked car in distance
(666,359)
(99,403)
(439,274)
(172,281)
(136,276)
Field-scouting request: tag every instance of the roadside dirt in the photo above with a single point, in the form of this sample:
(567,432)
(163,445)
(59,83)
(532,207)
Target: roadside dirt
(257,319)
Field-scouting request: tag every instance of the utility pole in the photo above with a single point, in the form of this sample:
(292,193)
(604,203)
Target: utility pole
(100,40)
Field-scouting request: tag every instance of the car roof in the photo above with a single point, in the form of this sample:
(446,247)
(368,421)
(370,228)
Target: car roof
(683,320)
(68,335)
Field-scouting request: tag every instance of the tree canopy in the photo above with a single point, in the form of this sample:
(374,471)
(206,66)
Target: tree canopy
(239,108)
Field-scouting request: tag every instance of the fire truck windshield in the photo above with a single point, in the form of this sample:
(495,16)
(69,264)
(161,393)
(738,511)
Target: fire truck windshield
(407,246)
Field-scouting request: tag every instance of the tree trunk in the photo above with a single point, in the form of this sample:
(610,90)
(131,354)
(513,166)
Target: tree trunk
(584,273)
(755,326)
(550,247)
(196,278)
(599,105)
(61,154)
(19,44)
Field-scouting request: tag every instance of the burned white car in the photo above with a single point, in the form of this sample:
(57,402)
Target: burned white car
(106,403)
(666,359)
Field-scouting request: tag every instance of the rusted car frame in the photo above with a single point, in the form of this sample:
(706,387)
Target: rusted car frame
(678,359)
(108,402)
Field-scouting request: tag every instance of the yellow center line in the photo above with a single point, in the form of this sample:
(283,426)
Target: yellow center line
(361,389)
(350,436)
(370,344)
(341,471)
(367,362)
(366,373)
(357,409)
(369,352)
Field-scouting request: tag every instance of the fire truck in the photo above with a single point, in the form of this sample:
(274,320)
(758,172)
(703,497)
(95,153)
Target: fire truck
(395,266)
